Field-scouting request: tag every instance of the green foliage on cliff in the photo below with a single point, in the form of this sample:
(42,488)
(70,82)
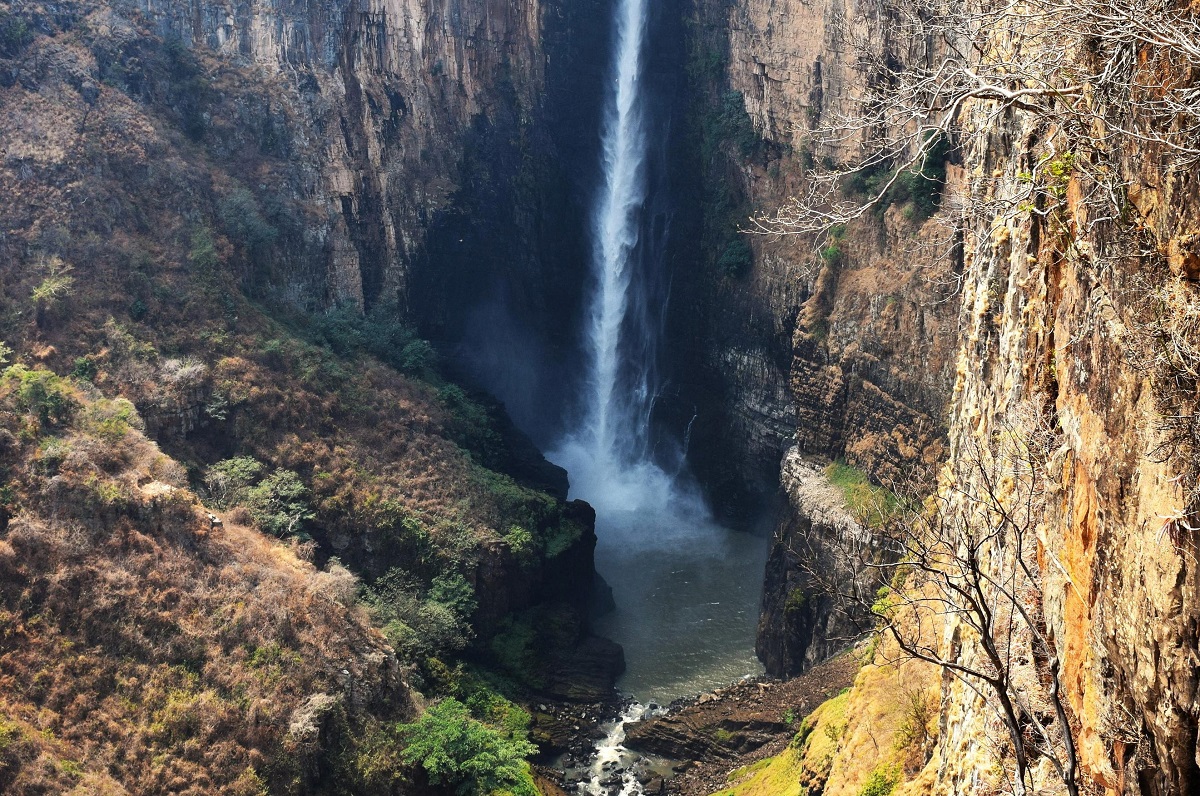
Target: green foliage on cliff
(919,187)
(280,504)
(381,333)
(473,757)
(243,221)
(882,781)
(422,623)
(42,394)
(737,258)
(871,505)
(15,33)
(470,425)
(728,124)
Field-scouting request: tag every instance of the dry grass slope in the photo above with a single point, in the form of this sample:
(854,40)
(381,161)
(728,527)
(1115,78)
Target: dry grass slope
(143,651)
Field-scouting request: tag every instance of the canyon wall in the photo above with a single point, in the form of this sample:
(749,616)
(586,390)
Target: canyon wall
(416,156)
(377,101)
(841,347)
(910,344)
(215,193)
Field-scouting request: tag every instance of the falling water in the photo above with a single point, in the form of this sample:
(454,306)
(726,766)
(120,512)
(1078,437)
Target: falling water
(618,389)
(686,589)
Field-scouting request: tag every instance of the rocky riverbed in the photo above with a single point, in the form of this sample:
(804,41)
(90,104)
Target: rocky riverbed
(688,747)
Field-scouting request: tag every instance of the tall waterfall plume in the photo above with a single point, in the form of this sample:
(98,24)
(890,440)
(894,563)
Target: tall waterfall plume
(607,453)
(686,590)
(612,415)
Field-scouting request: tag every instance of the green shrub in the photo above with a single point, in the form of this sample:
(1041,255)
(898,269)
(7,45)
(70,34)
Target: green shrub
(515,649)
(55,285)
(459,751)
(244,223)
(921,184)
(111,419)
(202,252)
(42,394)
(85,369)
(520,541)
(733,124)
(795,601)
(15,34)
(561,537)
(279,504)
(417,626)
(380,333)
(832,255)
(453,591)
(737,259)
(188,90)
(802,734)
(470,425)
(882,782)
(227,481)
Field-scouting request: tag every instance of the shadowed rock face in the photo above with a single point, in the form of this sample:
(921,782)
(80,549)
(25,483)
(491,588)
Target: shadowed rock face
(380,98)
(802,622)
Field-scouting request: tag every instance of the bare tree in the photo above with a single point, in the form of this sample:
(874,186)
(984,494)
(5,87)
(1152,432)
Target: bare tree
(970,555)
(966,558)
(1098,75)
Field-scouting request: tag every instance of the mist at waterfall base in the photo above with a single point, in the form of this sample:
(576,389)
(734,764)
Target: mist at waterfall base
(686,589)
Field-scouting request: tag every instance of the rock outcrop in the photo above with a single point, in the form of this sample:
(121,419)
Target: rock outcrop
(806,617)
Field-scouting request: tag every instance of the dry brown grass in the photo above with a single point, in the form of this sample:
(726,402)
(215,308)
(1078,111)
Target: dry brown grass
(142,649)
(114,188)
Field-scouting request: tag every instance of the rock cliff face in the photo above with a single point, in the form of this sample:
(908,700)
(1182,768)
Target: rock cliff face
(844,346)
(379,100)
(1067,325)
(802,623)
(910,354)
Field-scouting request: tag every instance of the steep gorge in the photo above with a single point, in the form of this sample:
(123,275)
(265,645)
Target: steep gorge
(429,161)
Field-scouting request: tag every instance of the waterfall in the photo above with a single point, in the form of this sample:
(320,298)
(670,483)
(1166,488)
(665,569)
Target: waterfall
(612,420)
(686,589)
(607,452)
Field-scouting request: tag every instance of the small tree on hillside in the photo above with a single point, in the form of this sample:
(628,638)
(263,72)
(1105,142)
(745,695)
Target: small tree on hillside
(967,558)
(474,758)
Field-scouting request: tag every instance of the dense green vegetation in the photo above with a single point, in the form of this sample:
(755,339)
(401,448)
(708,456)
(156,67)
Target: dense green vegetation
(476,758)
(381,333)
